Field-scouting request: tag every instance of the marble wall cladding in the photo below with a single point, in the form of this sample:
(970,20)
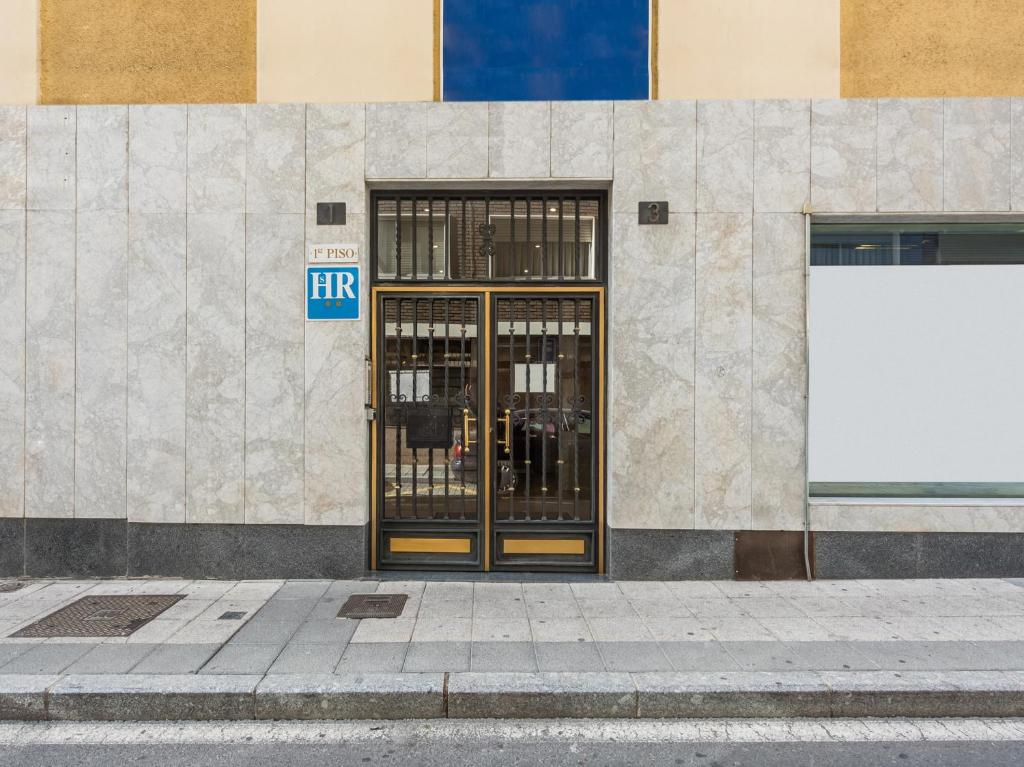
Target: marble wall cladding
(50,174)
(274,261)
(216,158)
(655,154)
(102,151)
(275,158)
(519,139)
(723,371)
(396,140)
(335,423)
(215,371)
(976,147)
(782,155)
(581,139)
(457,140)
(335,164)
(157,142)
(725,156)
(50,364)
(843,141)
(910,154)
(101,341)
(651,378)
(13,130)
(12,363)
(156,367)
(1016,152)
(779,372)
(868,516)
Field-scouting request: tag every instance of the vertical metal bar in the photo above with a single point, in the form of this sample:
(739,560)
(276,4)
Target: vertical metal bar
(544,238)
(430,395)
(510,302)
(398,244)
(464,392)
(529,247)
(447,399)
(414,364)
(576,408)
(558,387)
(526,396)
(513,266)
(547,406)
(488,251)
(579,271)
(430,246)
(561,256)
(415,240)
(466,263)
(595,487)
(398,409)
(484,417)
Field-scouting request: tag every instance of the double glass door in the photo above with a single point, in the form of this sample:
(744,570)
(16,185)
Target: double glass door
(487,436)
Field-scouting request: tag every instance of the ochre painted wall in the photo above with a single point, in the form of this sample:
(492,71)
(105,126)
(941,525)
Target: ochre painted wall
(346,50)
(932,48)
(147,51)
(18,32)
(725,49)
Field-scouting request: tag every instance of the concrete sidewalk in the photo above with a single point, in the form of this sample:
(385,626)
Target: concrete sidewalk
(580,648)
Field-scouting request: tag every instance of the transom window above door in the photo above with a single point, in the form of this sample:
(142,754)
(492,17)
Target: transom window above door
(483,237)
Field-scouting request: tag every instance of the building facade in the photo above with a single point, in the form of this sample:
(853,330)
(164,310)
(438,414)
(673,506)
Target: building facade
(320,339)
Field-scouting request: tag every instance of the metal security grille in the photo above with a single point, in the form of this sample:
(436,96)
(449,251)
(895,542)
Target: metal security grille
(488,237)
(101,616)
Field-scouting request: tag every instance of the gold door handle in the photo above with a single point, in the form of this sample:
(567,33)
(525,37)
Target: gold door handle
(466,441)
(508,431)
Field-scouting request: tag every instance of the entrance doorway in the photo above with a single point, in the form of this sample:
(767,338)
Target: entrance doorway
(488,433)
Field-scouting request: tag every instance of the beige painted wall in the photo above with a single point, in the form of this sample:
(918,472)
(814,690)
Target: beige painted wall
(18,60)
(345,50)
(725,49)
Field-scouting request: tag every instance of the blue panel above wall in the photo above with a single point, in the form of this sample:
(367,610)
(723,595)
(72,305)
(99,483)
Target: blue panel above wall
(521,50)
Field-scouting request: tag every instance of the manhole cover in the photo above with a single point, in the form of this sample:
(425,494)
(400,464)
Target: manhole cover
(373,606)
(8,586)
(101,616)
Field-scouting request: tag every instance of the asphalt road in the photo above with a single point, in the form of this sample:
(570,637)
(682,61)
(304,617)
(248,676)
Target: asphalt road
(981,743)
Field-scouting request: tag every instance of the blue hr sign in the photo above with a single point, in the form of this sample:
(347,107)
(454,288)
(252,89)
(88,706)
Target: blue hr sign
(332,292)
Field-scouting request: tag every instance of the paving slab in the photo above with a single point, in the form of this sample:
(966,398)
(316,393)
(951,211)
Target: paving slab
(543,695)
(350,696)
(503,657)
(243,659)
(140,697)
(23,696)
(699,656)
(329,631)
(111,659)
(176,659)
(633,656)
(568,656)
(263,631)
(373,657)
(307,659)
(437,656)
(47,658)
(731,694)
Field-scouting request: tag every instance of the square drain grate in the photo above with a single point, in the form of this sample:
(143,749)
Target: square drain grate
(373,606)
(106,615)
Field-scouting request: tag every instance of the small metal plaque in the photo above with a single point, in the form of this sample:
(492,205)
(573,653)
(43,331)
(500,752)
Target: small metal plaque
(232,615)
(330,213)
(428,427)
(653,212)
(107,615)
(373,606)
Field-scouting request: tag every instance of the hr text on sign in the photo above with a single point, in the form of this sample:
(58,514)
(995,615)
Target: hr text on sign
(332,292)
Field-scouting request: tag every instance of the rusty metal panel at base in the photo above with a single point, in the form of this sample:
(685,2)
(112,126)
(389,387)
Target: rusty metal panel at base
(770,555)
(106,615)
(373,606)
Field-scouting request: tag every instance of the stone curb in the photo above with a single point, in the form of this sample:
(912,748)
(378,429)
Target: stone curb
(141,697)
